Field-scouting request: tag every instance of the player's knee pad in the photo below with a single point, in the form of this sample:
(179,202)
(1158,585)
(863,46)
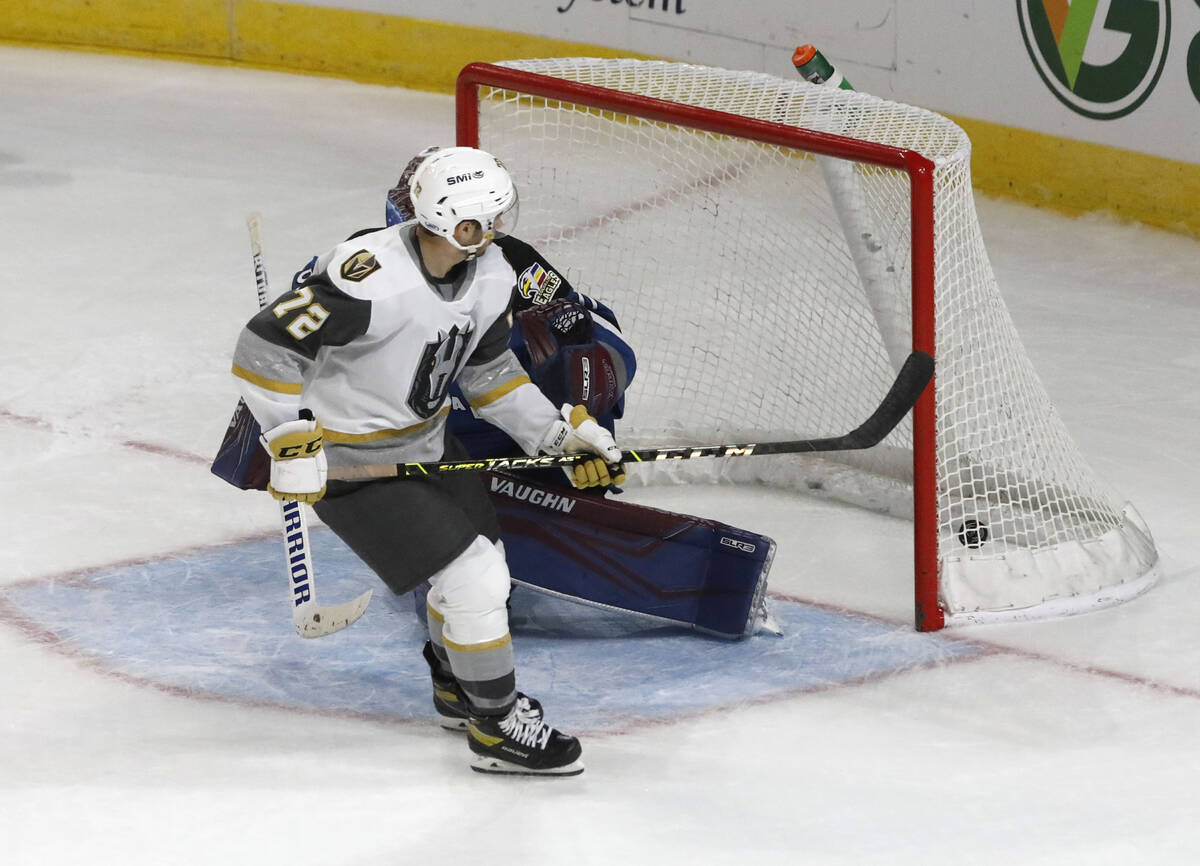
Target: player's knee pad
(469,595)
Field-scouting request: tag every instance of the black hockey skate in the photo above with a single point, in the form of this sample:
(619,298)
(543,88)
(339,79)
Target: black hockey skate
(522,743)
(448,697)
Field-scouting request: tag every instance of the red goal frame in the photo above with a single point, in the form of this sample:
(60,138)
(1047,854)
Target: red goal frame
(920,170)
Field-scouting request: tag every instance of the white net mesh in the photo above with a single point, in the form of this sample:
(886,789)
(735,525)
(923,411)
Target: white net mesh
(768,294)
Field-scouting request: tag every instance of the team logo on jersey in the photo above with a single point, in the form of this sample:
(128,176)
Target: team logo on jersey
(360,266)
(537,284)
(437,369)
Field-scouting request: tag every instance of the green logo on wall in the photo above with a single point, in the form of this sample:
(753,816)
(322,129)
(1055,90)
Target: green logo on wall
(1099,68)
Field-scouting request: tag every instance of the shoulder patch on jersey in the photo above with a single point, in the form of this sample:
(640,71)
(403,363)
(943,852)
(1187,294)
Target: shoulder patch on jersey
(360,266)
(538,284)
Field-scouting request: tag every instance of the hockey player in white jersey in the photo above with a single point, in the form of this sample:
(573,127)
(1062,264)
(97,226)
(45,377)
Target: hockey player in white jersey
(354,366)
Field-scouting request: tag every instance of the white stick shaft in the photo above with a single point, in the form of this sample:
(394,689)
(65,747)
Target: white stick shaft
(254,223)
(309,618)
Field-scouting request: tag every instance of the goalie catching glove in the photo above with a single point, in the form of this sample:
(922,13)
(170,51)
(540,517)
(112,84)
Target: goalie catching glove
(578,433)
(298,466)
(572,359)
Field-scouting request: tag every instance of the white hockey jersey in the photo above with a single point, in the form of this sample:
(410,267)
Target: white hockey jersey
(371,343)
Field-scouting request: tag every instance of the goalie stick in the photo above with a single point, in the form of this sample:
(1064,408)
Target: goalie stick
(910,383)
(309,618)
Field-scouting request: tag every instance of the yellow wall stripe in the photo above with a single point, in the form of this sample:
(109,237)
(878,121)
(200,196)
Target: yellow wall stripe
(381,49)
(267,384)
(1077,177)
(190,27)
(363,46)
(1069,176)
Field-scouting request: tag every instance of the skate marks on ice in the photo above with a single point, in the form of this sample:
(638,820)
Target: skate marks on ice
(214,623)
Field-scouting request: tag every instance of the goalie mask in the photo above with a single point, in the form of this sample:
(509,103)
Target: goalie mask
(462,183)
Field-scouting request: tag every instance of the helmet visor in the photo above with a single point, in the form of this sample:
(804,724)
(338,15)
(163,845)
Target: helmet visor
(505,222)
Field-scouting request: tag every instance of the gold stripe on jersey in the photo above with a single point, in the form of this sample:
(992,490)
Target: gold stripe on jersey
(496,393)
(378,435)
(478,647)
(265,383)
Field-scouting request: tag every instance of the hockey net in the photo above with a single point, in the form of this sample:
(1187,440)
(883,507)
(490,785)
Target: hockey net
(774,249)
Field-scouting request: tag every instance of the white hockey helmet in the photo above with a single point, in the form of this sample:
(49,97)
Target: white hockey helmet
(463,183)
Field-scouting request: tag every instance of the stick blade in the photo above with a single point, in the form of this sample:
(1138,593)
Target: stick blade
(317,620)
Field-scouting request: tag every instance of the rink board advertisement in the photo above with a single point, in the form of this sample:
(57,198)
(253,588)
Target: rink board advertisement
(1124,73)
(1081,105)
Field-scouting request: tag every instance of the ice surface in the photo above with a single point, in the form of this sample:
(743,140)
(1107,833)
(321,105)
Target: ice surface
(124,185)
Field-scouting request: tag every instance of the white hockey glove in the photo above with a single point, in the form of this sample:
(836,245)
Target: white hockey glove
(578,433)
(298,467)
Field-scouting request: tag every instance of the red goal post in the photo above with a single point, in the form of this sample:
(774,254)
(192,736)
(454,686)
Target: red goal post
(623,106)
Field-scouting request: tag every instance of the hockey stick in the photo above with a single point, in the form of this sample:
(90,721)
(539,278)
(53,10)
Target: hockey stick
(910,383)
(309,618)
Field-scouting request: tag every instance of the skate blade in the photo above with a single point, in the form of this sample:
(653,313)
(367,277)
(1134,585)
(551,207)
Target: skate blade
(450,723)
(495,766)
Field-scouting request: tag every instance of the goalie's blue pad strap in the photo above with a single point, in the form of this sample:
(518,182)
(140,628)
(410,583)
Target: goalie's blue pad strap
(687,570)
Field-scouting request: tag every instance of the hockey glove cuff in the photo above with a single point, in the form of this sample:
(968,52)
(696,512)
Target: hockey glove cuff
(298,466)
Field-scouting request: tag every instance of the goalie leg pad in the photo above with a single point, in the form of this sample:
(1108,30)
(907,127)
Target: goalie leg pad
(687,570)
